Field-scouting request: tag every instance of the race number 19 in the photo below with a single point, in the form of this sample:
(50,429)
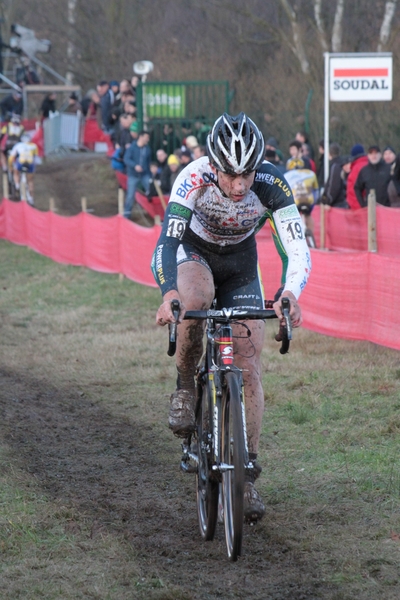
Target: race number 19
(295,229)
(176,228)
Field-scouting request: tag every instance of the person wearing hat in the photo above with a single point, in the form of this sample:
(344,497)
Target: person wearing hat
(389,155)
(74,106)
(12,103)
(170,173)
(358,160)
(374,176)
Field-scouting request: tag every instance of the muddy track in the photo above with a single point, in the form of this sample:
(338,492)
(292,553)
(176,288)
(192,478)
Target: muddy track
(116,475)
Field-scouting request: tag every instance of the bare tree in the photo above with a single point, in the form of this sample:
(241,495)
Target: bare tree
(386,27)
(337,30)
(320,25)
(71,40)
(298,47)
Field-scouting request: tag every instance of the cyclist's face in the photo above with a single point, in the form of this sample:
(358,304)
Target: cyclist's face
(235,187)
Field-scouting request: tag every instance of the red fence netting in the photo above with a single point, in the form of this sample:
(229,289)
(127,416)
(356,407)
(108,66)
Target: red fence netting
(351,295)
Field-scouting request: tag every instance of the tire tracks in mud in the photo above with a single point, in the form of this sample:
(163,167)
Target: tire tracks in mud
(117,474)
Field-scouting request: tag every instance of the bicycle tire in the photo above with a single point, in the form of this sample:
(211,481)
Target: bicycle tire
(233,455)
(207,486)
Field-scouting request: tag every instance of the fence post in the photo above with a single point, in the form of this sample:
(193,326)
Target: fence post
(84,204)
(121,201)
(372,243)
(52,205)
(322,233)
(5,186)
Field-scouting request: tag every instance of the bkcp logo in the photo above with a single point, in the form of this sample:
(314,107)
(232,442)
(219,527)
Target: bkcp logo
(360,78)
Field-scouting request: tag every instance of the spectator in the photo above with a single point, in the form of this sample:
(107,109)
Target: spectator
(185,158)
(170,141)
(12,103)
(26,74)
(137,159)
(106,105)
(201,130)
(321,164)
(186,131)
(394,184)
(305,154)
(302,137)
(161,158)
(272,157)
(198,152)
(189,143)
(335,192)
(358,161)
(135,80)
(170,173)
(389,155)
(91,104)
(272,144)
(124,87)
(117,161)
(122,136)
(134,130)
(374,176)
(48,105)
(74,106)
(154,181)
(296,159)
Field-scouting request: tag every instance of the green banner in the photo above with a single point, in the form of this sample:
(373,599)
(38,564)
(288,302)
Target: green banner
(164,100)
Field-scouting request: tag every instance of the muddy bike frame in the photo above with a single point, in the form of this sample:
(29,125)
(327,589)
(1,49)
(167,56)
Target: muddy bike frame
(217,451)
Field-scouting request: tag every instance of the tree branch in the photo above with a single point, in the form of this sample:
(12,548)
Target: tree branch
(337,30)
(298,47)
(320,25)
(386,27)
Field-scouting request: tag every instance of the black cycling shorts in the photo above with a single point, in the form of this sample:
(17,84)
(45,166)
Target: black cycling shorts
(235,269)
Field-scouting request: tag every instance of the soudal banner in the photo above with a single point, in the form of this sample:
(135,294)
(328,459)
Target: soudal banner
(360,77)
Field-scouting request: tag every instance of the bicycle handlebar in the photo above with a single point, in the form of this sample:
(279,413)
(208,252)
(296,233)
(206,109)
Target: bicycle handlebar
(230,314)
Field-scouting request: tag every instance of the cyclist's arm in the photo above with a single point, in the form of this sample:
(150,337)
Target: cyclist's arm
(275,193)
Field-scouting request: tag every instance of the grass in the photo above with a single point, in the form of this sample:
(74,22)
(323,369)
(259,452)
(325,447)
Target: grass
(330,442)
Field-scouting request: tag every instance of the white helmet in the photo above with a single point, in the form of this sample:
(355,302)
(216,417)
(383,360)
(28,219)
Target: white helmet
(235,145)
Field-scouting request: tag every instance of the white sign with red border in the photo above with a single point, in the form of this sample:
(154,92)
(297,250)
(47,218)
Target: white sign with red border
(360,78)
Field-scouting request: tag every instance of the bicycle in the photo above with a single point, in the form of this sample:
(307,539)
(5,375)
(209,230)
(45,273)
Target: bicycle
(217,451)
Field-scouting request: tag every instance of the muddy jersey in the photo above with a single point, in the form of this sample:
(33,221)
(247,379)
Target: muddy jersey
(198,207)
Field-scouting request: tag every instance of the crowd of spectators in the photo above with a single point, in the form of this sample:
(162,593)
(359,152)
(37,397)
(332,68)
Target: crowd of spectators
(351,177)
(113,105)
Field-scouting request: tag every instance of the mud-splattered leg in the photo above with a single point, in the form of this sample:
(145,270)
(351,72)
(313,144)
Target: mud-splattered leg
(196,288)
(248,357)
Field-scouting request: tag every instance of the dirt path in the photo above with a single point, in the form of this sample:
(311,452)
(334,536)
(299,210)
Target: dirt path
(112,472)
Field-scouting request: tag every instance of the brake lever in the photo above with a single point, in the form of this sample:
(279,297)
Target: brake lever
(172,328)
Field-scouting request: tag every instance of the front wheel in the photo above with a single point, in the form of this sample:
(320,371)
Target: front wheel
(206,481)
(233,456)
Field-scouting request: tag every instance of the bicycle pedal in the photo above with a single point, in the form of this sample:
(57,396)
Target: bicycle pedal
(186,467)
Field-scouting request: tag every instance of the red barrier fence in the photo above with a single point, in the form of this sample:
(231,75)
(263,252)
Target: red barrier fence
(351,295)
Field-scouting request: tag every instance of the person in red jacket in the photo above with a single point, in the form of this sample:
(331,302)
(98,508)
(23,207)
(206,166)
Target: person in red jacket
(359,160)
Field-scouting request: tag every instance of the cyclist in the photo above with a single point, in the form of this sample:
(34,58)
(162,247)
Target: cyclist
(207,248)
(23,157)
(305,189)
(10,135)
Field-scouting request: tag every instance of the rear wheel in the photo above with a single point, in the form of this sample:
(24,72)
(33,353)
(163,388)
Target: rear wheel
(206,481)
(233,456)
